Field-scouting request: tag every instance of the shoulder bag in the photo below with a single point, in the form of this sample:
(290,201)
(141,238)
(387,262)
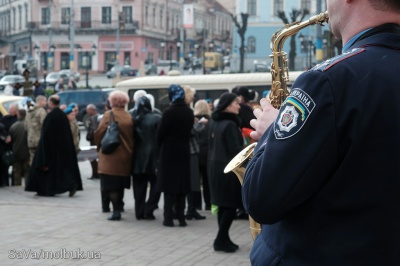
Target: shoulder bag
(111,139)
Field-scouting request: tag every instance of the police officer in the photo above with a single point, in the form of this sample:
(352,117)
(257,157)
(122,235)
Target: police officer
(324,181)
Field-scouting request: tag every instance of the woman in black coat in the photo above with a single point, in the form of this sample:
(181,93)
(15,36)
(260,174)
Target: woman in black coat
(225,141)
(145,158)
(174,159)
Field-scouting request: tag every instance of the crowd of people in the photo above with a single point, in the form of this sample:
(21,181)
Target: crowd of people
(179,153)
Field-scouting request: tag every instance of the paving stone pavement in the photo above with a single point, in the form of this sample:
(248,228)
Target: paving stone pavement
(76,230)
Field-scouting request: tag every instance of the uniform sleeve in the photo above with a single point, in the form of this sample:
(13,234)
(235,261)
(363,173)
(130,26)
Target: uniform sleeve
(298,154)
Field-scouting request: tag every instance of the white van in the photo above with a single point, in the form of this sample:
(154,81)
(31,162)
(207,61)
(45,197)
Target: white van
(207,86)
(20,65)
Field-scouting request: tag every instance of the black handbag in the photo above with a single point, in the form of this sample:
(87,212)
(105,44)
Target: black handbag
(111,139)
(8,158)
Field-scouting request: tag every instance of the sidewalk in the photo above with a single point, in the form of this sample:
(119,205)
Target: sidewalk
(76,228)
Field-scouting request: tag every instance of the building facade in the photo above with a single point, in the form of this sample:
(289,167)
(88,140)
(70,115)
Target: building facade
(95,35)
(263,22)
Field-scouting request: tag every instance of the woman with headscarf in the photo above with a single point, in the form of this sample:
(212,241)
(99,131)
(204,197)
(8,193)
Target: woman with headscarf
(174,158)
(225,141)
(145,158)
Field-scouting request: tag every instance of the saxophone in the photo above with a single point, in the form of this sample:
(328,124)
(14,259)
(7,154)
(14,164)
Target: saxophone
(277,95)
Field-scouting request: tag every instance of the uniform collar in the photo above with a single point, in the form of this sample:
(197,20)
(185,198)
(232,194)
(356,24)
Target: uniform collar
(353,40)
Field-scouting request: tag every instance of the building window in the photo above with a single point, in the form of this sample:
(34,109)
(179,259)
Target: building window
(14,21)
(154,18)
(161,18)
(106,15)
(251,45)
(26,15)
(306,4)
(65,15)
(86,17)
(45,16)
(252,7)
(278,6)
(20,17)
(146,15)
(128,13)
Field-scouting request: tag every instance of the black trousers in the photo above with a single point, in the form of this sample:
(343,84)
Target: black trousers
(206,188)
(140,183)
(225,219)
(105,199)
(177,200)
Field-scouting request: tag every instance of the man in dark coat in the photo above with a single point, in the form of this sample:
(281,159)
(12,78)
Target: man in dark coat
(54,169)
(174,166)
(8,121)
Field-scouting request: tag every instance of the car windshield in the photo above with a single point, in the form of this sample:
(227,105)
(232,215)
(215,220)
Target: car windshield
(116,68)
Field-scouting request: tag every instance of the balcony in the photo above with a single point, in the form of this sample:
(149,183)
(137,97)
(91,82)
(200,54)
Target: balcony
(83,27)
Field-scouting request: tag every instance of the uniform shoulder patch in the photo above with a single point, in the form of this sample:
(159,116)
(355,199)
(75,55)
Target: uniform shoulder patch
(293,114)
(324,66)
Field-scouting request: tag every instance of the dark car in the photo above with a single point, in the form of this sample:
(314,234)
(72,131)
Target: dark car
(98,97)
(128,72)
(69,73)
(123,71)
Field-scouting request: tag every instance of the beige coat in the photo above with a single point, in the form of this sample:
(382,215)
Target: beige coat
(119,162)
(34,122)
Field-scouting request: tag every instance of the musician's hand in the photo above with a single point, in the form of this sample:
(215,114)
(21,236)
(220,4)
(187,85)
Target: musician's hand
(265,118)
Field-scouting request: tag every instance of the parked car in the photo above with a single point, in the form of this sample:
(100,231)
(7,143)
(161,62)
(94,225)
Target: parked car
(53,77)
(262,68)
(10,79)
(121,69)
(70,73)
(98,97)
(6,101)
(128,72)
(151,69)
(2,73)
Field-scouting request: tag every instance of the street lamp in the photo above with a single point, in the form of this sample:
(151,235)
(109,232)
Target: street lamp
(307,46)
(51,56)
(178,47)
(36,48)
(196,47)
(85,61)
(162,44)
(170,57)
(211,46)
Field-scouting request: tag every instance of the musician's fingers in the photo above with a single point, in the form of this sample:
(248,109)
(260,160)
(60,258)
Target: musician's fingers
(254,135)
(253,123)
(257,112)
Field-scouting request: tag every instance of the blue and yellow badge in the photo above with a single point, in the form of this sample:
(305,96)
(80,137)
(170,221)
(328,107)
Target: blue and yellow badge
(293,114)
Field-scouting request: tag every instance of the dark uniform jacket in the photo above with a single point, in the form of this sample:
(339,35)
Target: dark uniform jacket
(225,141)
(325,178)
(173,141)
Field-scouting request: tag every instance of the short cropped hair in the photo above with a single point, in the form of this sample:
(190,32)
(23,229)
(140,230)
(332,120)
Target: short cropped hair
(118,99)
(386,5)
(55,99)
